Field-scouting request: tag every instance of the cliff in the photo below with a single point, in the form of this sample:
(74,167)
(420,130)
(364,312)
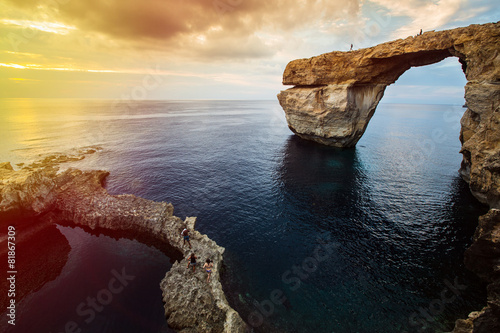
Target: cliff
(336,94)
(77,197)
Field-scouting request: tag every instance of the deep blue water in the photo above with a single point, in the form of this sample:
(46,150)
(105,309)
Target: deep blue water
(357,240)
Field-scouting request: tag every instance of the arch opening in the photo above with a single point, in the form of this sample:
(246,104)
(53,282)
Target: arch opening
(439,83)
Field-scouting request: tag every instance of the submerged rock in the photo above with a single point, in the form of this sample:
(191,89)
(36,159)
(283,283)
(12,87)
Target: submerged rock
(77,197)
(41,255)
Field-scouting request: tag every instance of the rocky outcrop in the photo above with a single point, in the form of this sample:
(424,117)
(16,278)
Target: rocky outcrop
(336,94)
(483,258)
(208,311)
(191,304)
(25,193)
(31,191)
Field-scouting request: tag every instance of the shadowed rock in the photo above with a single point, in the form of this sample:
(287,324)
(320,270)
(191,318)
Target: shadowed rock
(483,258)
(191,304)
(336,94)
(41,255)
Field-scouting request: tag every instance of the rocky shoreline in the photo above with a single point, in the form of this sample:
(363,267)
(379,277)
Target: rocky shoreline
(335,95)
(75,197)
(78,197)
(483,258)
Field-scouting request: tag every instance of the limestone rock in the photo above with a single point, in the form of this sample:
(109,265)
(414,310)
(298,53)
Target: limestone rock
(77,197)
(26,193)
(336,94)
(334,115)
(481,155)
(484,321)
(483,258)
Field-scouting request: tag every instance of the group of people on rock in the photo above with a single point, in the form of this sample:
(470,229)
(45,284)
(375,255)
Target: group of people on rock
(192,258)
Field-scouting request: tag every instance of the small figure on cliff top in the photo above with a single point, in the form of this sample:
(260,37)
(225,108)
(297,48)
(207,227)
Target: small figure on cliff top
(420,31)
(185,234)
(351,47)
(208,267)
(192,261)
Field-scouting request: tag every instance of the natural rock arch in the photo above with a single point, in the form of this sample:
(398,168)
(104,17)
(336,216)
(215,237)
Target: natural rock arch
(335,95)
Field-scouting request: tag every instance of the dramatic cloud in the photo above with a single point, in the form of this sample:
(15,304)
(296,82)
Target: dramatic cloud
(202,48)
(225,27)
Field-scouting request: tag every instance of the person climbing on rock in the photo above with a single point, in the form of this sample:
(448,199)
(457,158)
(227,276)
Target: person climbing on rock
(192,261)
(185,234)
(208,267)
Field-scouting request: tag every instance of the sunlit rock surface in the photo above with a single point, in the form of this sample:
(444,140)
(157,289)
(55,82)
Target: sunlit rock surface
(336,94)
(77,197)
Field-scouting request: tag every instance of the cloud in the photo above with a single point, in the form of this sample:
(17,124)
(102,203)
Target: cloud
(227,28)
(214,45)
(21,79)
(429,14)
(52,27)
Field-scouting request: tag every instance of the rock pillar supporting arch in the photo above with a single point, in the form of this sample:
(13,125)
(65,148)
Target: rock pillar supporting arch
(335,115)
(335,95)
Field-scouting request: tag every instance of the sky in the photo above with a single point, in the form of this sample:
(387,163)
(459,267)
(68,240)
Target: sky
(212,49)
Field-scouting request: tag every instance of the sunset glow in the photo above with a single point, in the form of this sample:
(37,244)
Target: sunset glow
(198,49)
(57,28)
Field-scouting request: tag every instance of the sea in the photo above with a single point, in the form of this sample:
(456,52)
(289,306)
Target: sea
(317,239)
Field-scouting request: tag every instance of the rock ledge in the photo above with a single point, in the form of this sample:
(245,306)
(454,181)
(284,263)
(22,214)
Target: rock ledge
(77,197)
(336,94)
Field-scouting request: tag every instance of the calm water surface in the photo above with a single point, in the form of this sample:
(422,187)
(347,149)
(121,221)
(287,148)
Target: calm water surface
(359,240)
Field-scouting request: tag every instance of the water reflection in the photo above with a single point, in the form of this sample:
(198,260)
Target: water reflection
(319,178)
(40,258)
(63,268)
(393,252)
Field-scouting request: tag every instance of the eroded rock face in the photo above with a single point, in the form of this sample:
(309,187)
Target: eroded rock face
(483,258)
(336,94)
(75,196)
(334,115)
(25,193)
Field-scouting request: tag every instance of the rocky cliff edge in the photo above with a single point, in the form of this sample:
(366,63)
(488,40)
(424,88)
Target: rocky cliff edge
(77,197)
(336,94)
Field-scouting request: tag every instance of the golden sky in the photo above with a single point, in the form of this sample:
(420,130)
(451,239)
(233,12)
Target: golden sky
(196,49)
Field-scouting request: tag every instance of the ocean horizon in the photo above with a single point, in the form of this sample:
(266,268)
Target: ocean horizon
(391,216)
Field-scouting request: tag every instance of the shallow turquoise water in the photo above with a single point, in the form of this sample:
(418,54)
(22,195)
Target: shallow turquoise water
(393,213)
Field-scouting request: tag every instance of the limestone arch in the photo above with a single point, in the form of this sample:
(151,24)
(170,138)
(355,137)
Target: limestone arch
(336,94)
(340,113)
